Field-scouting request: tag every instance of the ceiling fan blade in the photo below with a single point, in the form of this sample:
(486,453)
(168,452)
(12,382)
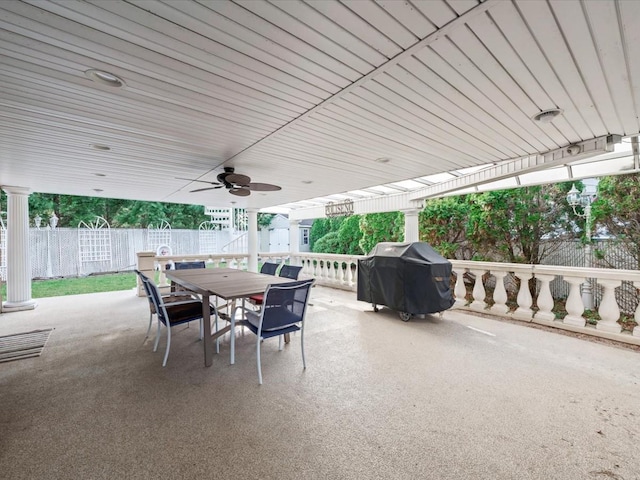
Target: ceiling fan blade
(240,192)
(238,179)
(203,189)
(193,180)
(264,187)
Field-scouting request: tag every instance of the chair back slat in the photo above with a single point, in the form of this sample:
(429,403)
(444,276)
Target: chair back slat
(290,271)
(269,268)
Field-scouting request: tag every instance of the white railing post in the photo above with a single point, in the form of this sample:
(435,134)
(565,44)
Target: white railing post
(545,300)
(479,293)
(500,298)
(524,300)
(609,311)
(460,291)
(574,305)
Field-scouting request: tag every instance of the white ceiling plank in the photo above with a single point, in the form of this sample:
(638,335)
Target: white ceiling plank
(446,140)
(86,41)
(381,20)
(353,114)
(310,65)
(463,6)
(441,115)
(525,45)
(334,55)
(576,31)
(601,16)
(349,21)
(482,98)
(409,16)
(540,18)
(438,12)
(478,65)
(414,72)
(191,35)
(629,13)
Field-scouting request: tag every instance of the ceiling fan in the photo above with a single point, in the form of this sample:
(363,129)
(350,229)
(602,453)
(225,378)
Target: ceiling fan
(236,183)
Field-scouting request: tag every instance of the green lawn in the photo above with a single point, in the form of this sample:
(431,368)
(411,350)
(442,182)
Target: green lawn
(57,287)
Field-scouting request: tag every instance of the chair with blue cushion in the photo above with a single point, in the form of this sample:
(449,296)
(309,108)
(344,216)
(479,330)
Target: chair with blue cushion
(167,298)
(283,311)
(174,313)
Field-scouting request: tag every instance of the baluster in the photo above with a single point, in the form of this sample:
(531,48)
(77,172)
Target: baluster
(323,269)
(524,312)
(460,291)
(349,274)
(500,298)
(331,271)
(162,280)
(545,300)
(574,305)
(636,317)
(479,292)
(609,311)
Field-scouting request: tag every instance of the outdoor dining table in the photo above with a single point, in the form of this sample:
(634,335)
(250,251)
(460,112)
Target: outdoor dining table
(229,284)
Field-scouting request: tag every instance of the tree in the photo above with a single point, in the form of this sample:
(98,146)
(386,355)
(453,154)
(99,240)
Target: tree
(519,225)
(444,223)
(618,209)
(381,227)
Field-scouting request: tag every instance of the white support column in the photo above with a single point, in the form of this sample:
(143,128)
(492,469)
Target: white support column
(18,256)
(294,241)
(411,225)
(252,234)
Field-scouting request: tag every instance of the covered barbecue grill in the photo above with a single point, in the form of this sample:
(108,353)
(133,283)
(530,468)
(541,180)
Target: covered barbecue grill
(411,278)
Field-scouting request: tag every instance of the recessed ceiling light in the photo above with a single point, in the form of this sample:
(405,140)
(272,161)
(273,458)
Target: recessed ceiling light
(105,78)
(383,160)
(99,174)
(307,181)
(98,190)
(99,146)
(547,116)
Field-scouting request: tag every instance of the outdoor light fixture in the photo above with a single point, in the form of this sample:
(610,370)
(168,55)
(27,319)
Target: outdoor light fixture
(99,146)
(105,78)
(575,198)
(547,116)
(37,221)
(53,221)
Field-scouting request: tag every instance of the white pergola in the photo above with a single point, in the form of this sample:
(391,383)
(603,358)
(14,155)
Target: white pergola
(329,100)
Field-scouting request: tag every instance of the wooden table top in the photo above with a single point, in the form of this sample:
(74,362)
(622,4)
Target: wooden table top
(226,283)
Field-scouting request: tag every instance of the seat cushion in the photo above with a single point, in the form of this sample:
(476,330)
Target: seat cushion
(257,299)
(285,319)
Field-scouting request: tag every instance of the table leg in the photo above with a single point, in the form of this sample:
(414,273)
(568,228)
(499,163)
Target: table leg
(233,333)
(207,341)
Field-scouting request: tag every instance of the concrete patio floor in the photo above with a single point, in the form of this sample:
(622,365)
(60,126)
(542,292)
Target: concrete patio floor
(462,397)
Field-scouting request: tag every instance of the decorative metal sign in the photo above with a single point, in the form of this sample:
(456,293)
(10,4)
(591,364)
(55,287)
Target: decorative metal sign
(342,209)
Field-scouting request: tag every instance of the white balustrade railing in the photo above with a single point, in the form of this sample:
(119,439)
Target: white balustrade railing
(341,271)
(338,271)
(608,309)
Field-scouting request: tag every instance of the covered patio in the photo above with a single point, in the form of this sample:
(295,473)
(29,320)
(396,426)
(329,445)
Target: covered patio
(463,396)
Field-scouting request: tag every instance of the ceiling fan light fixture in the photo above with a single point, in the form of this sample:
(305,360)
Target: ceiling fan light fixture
(105,78)
(547,116)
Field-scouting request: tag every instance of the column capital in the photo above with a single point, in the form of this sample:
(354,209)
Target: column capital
(294,221)
(13,190)
(411,211)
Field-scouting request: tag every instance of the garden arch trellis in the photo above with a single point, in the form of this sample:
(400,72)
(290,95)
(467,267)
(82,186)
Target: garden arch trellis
(94,242)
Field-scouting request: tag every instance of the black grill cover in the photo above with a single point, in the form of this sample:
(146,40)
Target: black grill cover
(407,277)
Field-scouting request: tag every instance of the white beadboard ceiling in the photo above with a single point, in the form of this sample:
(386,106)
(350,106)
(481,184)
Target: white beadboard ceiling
(292,92)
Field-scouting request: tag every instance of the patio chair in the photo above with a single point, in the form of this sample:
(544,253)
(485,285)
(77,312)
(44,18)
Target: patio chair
(283,311)
(171,314)
(287,271)
(290,271)
(269,268)
(167,297)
